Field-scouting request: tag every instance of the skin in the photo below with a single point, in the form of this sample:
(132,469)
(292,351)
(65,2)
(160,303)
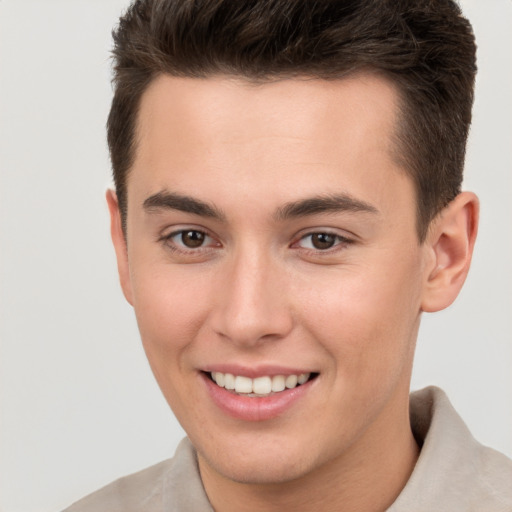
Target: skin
(258,293)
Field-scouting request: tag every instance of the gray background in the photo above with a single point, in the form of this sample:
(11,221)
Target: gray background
(79,404)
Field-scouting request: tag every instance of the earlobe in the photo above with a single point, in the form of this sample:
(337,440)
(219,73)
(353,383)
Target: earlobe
(119,241)
(450,241)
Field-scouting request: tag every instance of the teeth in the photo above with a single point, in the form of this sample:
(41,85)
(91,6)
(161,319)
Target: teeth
(220,379)
(291,381)
(242,384)
(259,386)
(278,383)
(303,378)
(229,381)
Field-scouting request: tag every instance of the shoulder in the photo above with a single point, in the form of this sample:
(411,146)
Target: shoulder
(454,471)
(173,484)
(495,472)
(127,493)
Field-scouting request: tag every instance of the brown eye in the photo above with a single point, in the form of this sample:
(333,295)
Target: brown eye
(192,239)
(192,243)
(323,240)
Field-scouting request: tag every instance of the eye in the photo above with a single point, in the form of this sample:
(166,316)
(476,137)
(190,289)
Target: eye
(321,241)
(190,239)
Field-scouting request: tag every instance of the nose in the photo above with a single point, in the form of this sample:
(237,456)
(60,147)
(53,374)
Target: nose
(252,305)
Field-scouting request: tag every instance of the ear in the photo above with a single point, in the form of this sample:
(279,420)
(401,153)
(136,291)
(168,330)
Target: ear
(120,246)
(450,243)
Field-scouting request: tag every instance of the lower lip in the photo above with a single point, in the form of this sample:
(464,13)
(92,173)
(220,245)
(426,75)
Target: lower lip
(255,408)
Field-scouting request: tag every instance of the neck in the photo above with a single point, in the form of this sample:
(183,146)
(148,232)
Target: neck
(369,476)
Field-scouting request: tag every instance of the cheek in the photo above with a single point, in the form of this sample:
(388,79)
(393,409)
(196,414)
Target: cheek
(170,312)
(170,308)
(367,319)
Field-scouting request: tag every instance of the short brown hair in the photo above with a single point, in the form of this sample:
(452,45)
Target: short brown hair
(425,47)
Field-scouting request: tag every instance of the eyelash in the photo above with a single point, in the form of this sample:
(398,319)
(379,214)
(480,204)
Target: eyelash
(167,240)
(340,242)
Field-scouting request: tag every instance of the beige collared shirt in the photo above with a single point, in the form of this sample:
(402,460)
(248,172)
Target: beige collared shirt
(454,473)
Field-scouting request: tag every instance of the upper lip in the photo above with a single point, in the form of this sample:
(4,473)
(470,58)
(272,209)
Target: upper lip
(255,370)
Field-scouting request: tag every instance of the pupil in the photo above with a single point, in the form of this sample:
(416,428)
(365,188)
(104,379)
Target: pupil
(192,238)
(323,240)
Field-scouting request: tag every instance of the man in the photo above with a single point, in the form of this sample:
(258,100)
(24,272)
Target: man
(287,205)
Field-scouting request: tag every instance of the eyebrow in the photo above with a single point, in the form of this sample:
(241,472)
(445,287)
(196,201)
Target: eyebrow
(324,204)
(165,200)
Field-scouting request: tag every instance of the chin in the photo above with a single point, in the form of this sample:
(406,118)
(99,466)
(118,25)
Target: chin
(259,472)
(262,466)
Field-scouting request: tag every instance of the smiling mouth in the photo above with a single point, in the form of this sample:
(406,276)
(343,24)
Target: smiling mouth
(260,386)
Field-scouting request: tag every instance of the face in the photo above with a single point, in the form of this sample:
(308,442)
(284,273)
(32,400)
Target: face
(271,246)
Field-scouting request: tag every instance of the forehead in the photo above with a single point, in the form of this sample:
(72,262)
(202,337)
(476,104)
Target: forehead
(234,107)
(287,134)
